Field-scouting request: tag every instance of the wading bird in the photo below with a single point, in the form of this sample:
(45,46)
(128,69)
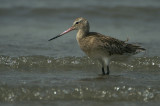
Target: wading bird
(98,46)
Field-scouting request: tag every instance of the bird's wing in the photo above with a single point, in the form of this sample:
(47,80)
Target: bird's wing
(115,46)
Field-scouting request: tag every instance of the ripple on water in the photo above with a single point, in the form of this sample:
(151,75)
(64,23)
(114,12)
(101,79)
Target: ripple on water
(120,93)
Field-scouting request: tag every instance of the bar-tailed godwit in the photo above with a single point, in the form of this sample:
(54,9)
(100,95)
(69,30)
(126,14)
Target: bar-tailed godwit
(98,46)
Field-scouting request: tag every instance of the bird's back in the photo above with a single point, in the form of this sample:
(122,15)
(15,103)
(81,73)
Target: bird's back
(97,41)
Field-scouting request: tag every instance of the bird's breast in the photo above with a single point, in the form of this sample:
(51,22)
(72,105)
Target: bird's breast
(90,47)
(84,45)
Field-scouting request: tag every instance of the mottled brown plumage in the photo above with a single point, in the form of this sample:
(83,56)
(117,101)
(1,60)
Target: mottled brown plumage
(111,45)
(99,46)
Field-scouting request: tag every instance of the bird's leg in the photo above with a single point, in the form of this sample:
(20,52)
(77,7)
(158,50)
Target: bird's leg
(107,70)
(103,72)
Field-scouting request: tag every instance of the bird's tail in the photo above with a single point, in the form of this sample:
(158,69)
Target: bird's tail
(133,48)
(140,49)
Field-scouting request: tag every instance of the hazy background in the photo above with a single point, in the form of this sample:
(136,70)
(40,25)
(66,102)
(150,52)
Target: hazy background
(26,25)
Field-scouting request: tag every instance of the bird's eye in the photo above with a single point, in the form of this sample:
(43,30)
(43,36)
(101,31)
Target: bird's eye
(77,22)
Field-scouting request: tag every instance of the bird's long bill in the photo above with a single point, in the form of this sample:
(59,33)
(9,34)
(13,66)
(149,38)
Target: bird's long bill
(68,30)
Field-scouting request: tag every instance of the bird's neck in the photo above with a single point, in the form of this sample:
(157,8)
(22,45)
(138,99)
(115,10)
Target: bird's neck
(82,33)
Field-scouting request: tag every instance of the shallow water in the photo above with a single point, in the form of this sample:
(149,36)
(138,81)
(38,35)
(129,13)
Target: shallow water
(34,71)
(36,79)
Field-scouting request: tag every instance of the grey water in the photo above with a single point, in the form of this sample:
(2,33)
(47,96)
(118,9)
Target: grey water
(34,71)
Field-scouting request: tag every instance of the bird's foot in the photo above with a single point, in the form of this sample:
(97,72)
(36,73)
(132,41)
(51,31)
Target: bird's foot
(106,74)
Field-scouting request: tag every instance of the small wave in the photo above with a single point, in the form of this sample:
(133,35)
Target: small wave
(114,93)
(44,62)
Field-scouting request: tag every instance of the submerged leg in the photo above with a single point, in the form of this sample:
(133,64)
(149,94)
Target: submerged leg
(107,70)
(103,72)
(105,62)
